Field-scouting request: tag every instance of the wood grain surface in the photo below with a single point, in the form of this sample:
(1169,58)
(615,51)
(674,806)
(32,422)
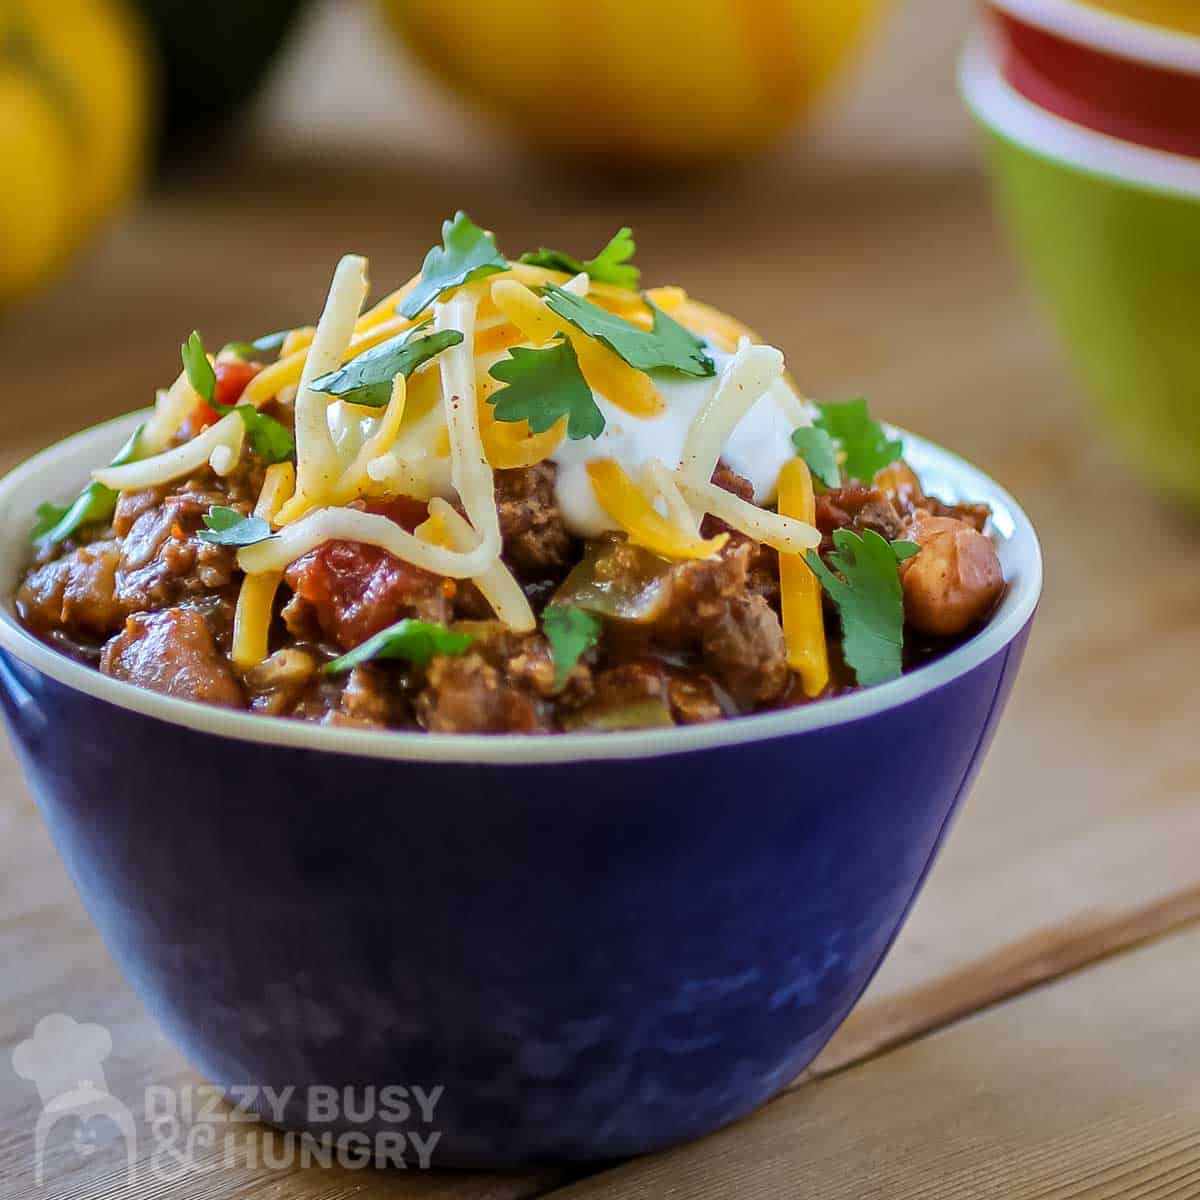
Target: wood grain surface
(1088,1090)
(1080,837)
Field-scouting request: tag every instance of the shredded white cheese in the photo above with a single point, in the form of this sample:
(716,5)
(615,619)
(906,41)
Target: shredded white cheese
(350,525)
(786,535)
(470,471)
(228,433)
(317,463)
(496,584)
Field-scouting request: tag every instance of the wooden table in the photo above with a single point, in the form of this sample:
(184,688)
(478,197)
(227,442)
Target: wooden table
(1075,856)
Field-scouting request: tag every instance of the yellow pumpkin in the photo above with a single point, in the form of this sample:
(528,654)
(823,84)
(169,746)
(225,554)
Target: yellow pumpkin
(667,81)
(74,93)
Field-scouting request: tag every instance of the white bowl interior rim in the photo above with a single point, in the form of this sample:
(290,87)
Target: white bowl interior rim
(998,105)
(56,473)
(1112,33)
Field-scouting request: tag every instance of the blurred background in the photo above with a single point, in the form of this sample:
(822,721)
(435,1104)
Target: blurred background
(836,198)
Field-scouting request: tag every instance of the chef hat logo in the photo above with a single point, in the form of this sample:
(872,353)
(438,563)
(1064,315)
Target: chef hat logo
(65,1061)
(64,1056)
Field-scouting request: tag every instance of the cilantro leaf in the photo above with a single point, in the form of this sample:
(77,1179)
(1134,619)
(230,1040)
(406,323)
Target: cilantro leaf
(668,345)
(269,343)
(611,265)
(543,387)
(865,445)
(415,641)
(227,527)
(817,449)
(869,600)
(48,515)
(271,440)
(467,252)
(199,370)
(368,378)
(95,503)
(571,632)
(268,438)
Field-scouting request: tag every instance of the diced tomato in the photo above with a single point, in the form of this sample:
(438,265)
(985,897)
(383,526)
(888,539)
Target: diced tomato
(232,377)
(357,590)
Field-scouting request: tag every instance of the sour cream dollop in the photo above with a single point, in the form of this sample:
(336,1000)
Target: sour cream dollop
(757,449)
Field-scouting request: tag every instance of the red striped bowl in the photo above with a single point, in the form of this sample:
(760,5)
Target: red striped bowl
(1122,77)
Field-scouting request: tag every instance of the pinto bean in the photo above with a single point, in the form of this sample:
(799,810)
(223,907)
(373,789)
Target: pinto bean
(954,581)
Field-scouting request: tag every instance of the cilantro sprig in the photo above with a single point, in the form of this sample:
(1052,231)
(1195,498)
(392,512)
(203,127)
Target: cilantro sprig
(819,450)
(870,601)
(227,527)
(466,253)
(571,632)
(367,379)
(413,641)
(56,523)
(863,442)
(270,440)
(269,343)
(611,265)
(668,346)
(543,387)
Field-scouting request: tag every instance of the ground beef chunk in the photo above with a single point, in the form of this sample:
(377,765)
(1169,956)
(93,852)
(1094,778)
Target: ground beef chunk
(725,477)
(857,508)
(370,700)
(75,593)
(163,559)
(503,684)
(536,543)
(974,515)
(278,684)
(709,607)
(346,592)
(173,652)
(744,648)
(762,570)
(693,700)
(900,484)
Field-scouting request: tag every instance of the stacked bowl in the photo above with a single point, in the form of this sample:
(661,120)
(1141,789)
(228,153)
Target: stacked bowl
(1091,118)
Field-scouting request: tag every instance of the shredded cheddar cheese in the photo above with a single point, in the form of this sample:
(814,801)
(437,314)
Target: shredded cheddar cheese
(800,590)
(606,373)
(252,618)
(625,502)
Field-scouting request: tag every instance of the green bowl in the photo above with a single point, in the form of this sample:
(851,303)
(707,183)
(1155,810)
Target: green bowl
(1109,234)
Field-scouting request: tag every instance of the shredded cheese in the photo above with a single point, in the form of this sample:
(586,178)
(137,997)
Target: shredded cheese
(172,407)
(252,619)
(746,378)
(625,502)
(228,432)
(783,533)
(356,478)
(351,525)
(799,589)
(317,464)
(279,483)
(496,584)
(470,471)
(663,482)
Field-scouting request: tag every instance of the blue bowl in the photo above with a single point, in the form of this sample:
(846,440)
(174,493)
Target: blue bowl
(596,945)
